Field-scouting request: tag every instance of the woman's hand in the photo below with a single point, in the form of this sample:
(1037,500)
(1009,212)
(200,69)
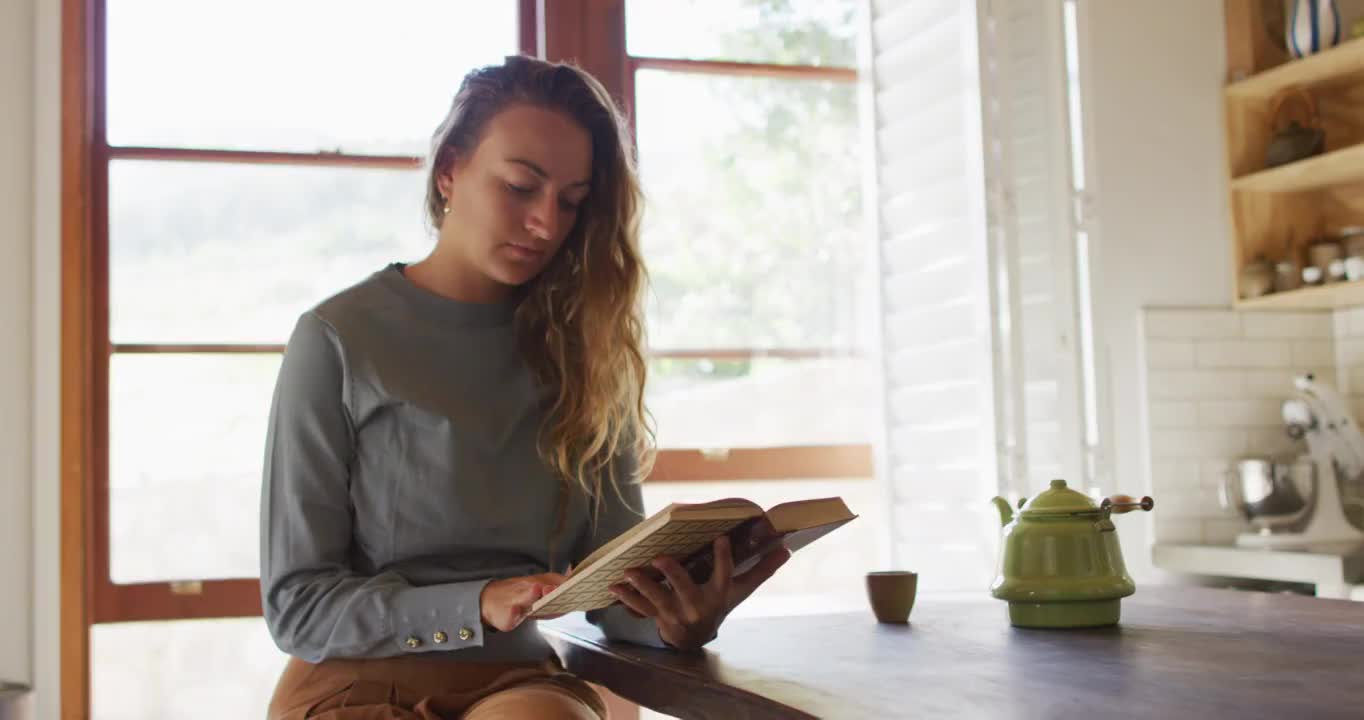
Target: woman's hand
(505,604)
(688,614)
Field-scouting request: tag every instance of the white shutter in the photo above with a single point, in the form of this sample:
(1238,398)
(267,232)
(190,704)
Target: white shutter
(1028,125)
(938,453)
(978,336)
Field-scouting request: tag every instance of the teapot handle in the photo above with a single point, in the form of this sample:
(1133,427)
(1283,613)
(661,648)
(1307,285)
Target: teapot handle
(1126,503)
(1293,104)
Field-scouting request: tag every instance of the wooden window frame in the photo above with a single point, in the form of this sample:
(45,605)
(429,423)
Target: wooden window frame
(590,32)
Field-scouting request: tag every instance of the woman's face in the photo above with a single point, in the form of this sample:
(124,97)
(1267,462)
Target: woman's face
(516,198)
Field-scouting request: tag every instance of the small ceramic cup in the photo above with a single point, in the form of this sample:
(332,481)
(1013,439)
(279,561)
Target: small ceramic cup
(892,594)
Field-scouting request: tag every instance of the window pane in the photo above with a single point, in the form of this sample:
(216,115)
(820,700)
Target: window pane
(776,260)
(310,75)
(203,669)
(208,252)
(788,32)
(763,402)
(773,258)
(186,447)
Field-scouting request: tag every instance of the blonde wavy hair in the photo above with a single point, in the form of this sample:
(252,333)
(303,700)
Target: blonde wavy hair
(580,321)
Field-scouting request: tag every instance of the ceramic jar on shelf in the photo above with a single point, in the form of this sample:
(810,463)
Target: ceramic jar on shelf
(1257,279)
(1287,275)
(1313,26)
(1351,239)
(1328,256)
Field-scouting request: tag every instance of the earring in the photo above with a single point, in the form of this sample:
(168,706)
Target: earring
(445,210)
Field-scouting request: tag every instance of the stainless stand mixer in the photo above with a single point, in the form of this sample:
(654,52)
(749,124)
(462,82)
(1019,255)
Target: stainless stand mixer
(1301,504)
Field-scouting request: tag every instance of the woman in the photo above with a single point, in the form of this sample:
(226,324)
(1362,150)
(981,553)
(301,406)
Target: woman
(447,437)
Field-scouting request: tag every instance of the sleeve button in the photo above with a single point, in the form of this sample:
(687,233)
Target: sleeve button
(413,642)
(440,637)
(466,634)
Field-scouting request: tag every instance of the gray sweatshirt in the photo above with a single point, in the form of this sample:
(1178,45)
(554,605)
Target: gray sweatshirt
(401,476)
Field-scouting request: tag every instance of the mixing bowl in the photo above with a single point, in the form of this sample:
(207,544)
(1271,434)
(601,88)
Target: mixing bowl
(1270,494)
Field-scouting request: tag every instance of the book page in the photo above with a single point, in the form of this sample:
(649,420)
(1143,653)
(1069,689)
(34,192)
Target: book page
(717,510)
(677,538)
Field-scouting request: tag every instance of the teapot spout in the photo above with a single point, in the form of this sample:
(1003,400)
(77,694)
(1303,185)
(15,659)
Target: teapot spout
(1006,513)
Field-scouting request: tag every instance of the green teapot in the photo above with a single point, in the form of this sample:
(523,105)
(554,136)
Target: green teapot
(1059,563)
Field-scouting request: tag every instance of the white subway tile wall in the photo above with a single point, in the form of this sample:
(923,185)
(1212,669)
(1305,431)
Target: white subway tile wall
(1215,380)
(1349,352)
(1192,324)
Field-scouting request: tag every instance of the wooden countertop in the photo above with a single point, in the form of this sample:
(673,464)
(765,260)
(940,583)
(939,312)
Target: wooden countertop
(1179,652)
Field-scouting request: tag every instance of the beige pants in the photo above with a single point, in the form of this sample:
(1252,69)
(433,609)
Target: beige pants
(431,687)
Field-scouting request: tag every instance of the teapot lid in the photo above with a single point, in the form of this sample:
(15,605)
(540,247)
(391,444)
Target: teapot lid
(1058,500)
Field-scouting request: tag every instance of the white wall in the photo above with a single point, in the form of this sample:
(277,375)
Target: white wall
(46,358)
(16,239)
(43,24)
(1153,81)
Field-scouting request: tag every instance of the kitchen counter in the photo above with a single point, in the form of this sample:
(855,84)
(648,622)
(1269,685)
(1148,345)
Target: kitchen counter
(1178,653)
(1336,569)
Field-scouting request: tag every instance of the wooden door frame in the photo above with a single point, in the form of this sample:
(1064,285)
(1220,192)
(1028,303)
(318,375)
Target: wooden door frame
(78,94)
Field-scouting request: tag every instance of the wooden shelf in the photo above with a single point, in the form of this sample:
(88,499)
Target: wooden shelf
(1319,297)
(1345,165)
(1277,213)
(1326,67)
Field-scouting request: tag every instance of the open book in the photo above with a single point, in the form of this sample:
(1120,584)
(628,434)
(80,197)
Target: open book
(687,533)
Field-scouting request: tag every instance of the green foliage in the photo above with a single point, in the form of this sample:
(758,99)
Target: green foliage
(753,226)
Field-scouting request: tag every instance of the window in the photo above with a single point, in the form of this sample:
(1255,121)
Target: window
(753,228)
(239,177)
(746,120)
(232,178)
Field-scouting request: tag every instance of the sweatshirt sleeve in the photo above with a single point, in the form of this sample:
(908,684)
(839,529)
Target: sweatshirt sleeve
(620,512)
(315,605)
